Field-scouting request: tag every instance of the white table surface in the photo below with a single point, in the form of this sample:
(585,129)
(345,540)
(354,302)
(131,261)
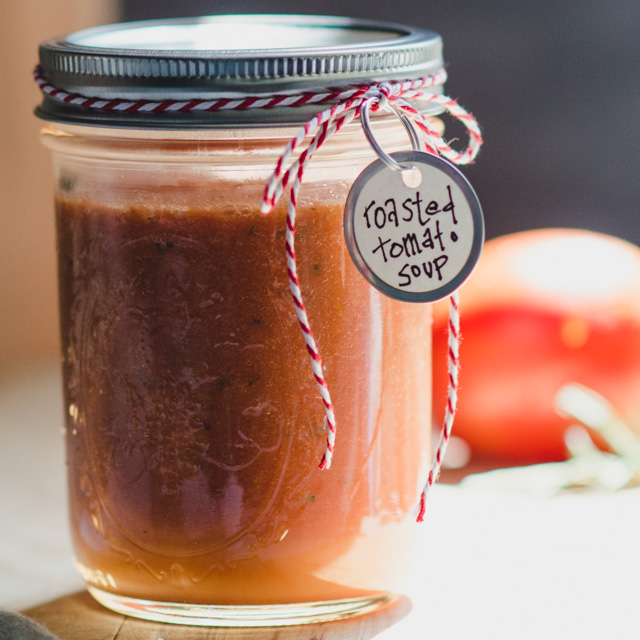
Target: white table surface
(494,564)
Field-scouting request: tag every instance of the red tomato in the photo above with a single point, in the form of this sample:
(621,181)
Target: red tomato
(543,308)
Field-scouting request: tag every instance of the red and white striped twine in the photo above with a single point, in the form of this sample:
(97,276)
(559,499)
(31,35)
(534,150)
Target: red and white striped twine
(453,358)
(346,105)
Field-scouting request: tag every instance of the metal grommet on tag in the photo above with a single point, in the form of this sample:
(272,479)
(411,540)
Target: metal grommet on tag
(414,227)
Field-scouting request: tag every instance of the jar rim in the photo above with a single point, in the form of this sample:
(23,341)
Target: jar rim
(257,55)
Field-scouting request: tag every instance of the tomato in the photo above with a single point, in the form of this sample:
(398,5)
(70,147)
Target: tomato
(543,308)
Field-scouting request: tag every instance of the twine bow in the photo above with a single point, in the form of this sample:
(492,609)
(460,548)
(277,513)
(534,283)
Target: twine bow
(387,95)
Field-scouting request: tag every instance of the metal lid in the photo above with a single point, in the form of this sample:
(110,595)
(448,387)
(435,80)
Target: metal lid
(227,56)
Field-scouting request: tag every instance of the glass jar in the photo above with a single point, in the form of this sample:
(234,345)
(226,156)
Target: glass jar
(194,423)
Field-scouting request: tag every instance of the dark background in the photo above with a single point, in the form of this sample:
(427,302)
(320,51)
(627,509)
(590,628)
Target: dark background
(554,84)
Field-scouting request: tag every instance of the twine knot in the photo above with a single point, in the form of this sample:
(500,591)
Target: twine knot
(379,95)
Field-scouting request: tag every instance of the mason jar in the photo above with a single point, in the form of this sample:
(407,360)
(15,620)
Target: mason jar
(194,425)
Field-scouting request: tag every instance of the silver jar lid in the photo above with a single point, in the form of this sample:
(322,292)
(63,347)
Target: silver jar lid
(227,57)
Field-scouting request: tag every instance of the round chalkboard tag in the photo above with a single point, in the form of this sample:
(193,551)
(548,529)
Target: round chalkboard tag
(415,234)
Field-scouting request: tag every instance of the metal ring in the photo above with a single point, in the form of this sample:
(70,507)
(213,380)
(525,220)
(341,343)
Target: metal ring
(383,155)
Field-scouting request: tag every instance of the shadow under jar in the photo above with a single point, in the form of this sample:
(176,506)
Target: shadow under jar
(194,423)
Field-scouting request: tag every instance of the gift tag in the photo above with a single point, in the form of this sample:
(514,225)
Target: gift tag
(415,234)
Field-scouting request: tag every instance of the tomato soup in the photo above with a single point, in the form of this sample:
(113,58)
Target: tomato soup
(194,424)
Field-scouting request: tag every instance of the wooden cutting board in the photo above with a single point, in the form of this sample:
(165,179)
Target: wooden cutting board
(79,617)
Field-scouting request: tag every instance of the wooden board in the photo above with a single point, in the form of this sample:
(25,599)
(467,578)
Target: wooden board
(79,617)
